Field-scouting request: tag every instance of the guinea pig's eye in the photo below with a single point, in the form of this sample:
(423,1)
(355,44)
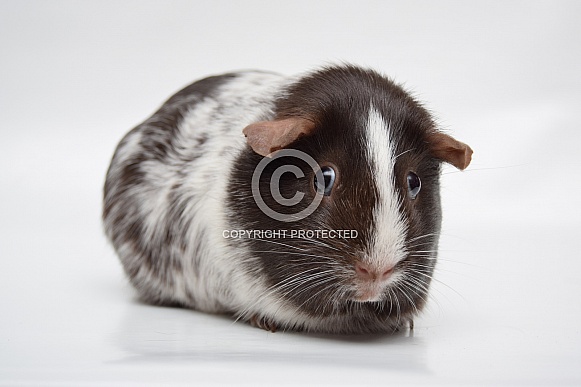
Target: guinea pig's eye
(414,185)
(329,176)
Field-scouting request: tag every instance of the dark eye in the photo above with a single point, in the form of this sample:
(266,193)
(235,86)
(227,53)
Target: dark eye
(329,177)
(414,185)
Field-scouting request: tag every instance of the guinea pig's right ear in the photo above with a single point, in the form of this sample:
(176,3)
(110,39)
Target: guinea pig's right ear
(265,137)
(450,150)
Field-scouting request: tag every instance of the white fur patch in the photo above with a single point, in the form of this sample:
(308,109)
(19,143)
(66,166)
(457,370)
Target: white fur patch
(388,244)
(216,282)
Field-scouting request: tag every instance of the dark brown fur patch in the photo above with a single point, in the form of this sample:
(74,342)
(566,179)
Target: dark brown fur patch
(338,101)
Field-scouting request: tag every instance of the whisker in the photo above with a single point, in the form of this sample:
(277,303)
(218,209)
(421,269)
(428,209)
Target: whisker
(320,243)
(485,169)
(444,284)
(403,153)
(421,236)
(279,243)
(293,253)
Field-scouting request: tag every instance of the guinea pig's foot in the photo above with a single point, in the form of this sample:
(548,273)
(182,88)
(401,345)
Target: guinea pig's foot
(263,323)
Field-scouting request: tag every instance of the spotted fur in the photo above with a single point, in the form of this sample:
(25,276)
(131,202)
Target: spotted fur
(182,177)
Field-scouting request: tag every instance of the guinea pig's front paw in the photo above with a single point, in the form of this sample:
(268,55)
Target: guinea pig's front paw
(263,323)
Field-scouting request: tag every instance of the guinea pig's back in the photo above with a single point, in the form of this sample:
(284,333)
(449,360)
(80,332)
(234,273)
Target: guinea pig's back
(166,187)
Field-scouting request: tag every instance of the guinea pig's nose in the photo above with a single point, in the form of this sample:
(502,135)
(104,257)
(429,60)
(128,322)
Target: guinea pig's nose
(366,272)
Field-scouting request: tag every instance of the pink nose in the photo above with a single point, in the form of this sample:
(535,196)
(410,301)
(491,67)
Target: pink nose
(367,273)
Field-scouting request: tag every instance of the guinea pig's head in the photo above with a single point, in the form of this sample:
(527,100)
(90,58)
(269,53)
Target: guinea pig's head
(341,192)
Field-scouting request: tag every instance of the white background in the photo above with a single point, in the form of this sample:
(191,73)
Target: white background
(502,76)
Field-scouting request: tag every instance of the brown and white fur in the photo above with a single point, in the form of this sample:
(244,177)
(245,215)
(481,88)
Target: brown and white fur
(181,178)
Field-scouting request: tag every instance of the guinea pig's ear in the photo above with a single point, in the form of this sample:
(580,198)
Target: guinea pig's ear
(450,150)
(265,137)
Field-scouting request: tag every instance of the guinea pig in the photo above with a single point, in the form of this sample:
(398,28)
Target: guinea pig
(306,203)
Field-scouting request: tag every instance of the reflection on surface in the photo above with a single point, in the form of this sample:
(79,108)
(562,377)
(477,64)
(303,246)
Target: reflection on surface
(152,334)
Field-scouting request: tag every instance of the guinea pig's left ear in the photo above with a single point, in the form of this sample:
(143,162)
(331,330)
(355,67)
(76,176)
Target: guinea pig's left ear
(450,150)
(266,137)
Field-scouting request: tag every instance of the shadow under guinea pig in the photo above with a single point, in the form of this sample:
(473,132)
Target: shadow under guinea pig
(169,334)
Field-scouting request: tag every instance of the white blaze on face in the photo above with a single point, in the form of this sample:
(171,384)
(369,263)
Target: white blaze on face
(388,237)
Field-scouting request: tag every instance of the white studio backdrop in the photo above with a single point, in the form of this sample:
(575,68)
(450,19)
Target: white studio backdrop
(503,77)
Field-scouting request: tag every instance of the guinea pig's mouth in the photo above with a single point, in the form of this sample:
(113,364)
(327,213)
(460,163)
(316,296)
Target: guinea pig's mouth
(372,290)
(369,292)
